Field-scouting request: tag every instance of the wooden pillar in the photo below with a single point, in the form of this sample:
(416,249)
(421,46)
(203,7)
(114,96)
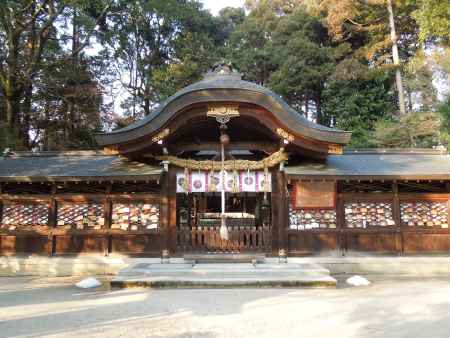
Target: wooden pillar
(279,208)
(172,225)
(107,216)
(397,218)
(1,211)
(274,208)
(447,186)
(168,211)
(52,221)
(340,224)
(1,204)
(164,210)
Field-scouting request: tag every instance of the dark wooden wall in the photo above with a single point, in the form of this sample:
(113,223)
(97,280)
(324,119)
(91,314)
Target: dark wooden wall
(399,239)
(52,240)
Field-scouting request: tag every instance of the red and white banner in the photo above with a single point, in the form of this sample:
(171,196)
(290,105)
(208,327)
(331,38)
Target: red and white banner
(246,181)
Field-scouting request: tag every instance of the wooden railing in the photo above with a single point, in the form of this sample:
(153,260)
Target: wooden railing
(240,239)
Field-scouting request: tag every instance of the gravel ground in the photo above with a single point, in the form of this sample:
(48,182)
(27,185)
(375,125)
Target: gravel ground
(33,307)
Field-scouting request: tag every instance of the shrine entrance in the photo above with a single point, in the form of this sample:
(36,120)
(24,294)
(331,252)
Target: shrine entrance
(222,145)
(248,222)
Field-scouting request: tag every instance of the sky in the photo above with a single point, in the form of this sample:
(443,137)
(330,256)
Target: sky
(215,6)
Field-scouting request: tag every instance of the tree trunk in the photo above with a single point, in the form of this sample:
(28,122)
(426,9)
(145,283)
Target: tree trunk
(12,107)
(396,58)
(410,103)
(306,106)
(319,116)
(26,116)
(12,111)
(147,100)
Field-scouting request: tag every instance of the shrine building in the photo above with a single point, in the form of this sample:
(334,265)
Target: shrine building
(224,166)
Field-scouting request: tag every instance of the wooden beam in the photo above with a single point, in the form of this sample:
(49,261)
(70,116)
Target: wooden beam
(349,177)
(267,147)
(78,179)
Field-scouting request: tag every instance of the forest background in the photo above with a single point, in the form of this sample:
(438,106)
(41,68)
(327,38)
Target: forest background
(71,68)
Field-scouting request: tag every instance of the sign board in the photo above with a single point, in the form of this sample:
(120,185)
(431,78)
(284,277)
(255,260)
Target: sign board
(314,195)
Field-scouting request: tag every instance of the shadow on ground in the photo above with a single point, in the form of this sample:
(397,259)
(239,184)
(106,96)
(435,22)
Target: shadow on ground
(399,308)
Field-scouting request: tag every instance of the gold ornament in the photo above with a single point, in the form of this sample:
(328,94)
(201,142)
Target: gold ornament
(212,179)
(230,165)
(186,180)
(235,186)
(266,187)
(161,135)
(285,135)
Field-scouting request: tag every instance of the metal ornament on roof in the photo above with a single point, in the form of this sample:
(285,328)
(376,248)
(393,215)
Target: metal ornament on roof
(223,113)
(223,69)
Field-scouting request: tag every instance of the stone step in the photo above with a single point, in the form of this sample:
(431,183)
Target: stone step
(306,268)
(186,282)
(224,275)
(225,258)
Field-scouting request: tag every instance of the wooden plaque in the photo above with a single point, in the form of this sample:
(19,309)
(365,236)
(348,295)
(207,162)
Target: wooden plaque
(314,195)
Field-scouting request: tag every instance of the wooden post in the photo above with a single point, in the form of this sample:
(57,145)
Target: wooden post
(447,188)
(168,212)
(52,221)
(275,209)
(279,207)
(340,223)
(1,204)
(397,218)
(164,211)
(107,216)
(172,224)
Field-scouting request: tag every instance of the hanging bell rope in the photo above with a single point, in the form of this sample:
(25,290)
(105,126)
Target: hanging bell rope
(212,179)
(230,165)
(186,179)
(223,224)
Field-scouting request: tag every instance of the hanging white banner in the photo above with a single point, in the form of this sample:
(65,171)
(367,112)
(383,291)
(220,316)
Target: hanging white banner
(246,181)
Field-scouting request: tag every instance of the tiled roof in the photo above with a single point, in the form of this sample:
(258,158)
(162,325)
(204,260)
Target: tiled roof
(59,166)
(413,165)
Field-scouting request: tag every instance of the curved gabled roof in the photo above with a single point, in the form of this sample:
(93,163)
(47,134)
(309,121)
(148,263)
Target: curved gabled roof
(227,85)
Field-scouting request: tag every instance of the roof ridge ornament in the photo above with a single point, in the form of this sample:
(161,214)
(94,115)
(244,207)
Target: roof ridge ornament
(223,68)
